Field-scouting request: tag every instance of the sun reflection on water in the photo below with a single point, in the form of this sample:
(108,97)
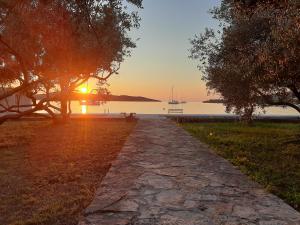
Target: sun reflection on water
(83,109)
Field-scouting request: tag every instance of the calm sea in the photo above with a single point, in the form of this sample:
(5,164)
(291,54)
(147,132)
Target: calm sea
(163,108)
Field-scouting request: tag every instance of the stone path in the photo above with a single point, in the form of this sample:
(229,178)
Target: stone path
(165,176)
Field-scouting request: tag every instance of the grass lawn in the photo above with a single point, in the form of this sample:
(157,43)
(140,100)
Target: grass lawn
(49,173)
(268,152)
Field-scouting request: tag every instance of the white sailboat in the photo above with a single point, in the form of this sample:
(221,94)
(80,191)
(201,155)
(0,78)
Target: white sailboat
(173,101)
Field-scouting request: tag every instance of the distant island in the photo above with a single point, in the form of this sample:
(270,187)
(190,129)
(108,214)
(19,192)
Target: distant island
(110,98)
(218,101)
(127,98)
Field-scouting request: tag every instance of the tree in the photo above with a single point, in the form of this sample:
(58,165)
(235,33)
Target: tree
(54,46)
(254,61)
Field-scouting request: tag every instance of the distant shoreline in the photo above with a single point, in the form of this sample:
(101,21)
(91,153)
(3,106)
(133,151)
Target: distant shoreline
(217,101)
(106,98)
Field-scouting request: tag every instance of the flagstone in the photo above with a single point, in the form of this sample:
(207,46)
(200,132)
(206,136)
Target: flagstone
(164,176)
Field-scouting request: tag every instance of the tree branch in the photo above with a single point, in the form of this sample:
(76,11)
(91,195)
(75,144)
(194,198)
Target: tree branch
(18,57)
(15,90)
(268,100)
(294,89)
(39,106)
(294,106)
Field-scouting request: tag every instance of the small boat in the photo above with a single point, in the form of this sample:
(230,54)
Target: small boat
(173,101)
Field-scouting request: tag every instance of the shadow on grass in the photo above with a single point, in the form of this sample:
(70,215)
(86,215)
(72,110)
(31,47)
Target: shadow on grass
(49,173)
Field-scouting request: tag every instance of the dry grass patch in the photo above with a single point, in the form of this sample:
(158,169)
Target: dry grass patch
(49,173)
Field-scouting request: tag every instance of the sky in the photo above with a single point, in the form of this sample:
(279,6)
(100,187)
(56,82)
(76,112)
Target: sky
(160,60)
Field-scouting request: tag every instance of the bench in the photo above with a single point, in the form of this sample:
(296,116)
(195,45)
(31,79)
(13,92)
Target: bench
(175,111)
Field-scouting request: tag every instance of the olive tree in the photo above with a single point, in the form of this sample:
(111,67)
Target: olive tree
(55,46)
(253,62)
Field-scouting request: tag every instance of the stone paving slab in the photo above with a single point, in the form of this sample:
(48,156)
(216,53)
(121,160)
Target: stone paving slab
(164,176)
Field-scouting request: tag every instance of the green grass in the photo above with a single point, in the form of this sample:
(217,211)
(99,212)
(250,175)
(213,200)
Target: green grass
(49,173)
(268,152)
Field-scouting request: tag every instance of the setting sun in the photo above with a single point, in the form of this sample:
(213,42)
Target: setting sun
(150,112)
(84,90)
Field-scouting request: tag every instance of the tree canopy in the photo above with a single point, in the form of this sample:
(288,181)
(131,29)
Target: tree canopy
(53,46)
(254,61)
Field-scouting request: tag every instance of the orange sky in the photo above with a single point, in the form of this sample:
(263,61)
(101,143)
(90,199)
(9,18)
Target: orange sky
(160,60)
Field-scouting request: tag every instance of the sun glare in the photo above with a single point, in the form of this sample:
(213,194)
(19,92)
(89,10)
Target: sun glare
(84,90)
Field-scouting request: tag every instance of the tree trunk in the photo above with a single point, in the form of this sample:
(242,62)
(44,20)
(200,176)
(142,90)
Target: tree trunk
(69,107)
(247,116)
(64,109)
(64,99)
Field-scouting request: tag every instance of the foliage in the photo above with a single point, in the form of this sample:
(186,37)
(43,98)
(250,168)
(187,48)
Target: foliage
(57,45)
(254,61)
(267,152)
